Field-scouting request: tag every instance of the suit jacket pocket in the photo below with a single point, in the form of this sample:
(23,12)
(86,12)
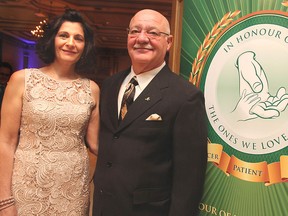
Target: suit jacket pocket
(150,195)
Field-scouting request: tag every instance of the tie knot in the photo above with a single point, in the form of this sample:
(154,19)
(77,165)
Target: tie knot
(134,81)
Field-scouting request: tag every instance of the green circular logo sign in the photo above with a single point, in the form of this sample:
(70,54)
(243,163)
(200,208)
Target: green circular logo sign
(245,85)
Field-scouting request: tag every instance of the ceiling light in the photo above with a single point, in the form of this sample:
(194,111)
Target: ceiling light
(39,29)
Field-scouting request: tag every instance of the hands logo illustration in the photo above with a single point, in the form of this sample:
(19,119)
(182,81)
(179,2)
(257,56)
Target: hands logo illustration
(255,100)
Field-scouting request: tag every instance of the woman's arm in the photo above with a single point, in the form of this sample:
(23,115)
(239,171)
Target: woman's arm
(93,130)
(93,126)
(9,132)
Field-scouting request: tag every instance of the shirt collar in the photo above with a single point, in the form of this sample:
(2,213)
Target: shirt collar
(144,78)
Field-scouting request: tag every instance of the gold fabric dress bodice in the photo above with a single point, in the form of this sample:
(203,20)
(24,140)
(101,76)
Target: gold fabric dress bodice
(51,169)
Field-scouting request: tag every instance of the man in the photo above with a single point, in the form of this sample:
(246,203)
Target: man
(152,160)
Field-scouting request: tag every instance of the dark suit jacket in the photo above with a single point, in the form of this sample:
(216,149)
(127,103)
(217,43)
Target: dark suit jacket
(151,168)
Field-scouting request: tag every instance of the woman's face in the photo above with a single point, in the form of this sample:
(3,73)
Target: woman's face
(69,42)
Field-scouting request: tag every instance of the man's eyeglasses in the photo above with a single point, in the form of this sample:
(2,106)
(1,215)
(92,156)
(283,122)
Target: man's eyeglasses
(151,34)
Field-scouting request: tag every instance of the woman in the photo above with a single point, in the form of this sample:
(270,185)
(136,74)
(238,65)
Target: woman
(55,108)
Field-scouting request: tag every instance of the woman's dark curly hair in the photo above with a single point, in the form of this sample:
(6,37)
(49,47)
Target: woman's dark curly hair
(45,47)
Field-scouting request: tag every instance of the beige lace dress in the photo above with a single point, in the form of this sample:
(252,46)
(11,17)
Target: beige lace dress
(50,175)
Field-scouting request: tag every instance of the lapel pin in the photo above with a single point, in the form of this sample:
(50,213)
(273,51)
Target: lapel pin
(147,99)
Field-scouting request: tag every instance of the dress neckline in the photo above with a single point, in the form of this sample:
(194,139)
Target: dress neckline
(52,78)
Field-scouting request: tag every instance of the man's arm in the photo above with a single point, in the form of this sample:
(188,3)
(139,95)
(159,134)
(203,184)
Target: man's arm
(189,156)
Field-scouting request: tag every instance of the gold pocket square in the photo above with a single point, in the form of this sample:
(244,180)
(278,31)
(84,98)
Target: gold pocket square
(154,117)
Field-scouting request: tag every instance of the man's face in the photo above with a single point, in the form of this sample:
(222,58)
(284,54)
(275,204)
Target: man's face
(148,40)
(4,75)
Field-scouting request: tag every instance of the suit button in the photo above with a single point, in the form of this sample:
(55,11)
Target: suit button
(109,164)
(116,136)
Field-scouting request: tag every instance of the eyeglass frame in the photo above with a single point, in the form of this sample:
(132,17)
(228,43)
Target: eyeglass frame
(157,34)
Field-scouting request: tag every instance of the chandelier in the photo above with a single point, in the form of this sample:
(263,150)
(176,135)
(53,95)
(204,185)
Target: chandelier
(39,29)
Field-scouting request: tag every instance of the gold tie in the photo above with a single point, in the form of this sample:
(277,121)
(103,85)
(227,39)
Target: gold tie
(128,97)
